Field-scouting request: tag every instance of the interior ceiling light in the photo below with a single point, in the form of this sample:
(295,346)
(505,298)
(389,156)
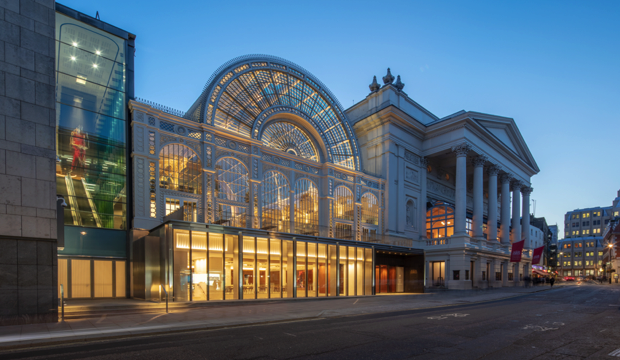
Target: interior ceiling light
(74,43)
(73,58)
(98,52)
(95,66)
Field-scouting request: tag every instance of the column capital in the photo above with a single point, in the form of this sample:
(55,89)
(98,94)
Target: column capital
(505,178)
(516,184)
(526,190)
(494,169)
(479,160)
(461,149)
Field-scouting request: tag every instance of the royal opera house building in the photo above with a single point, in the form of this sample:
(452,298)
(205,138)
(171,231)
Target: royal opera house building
(266,187)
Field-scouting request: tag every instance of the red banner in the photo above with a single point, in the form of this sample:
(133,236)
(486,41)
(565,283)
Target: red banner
(537,255)
(517,249)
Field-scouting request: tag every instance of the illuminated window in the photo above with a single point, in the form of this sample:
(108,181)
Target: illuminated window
(232,181)
(188,208)
(370,209)
(276,202)
(343,203)
(578,245)
(439,221)
(600,253)
(586,232)
(306,207)
(587,215)
(290,139)
(180,169)
(615,213)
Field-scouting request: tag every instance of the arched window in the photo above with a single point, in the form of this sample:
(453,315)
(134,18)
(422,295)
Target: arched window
(306,207)
(343,203)
(439,221)
(276,202)
(232,181)
(370,209)
(180,169)
(291,139)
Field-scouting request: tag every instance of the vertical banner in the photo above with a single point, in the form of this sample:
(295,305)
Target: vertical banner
(517,249)
(537,255)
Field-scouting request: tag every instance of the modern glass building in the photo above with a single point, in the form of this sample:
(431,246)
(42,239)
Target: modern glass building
(94,81)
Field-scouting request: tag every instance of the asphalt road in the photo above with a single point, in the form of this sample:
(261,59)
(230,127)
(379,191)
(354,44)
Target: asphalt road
(572,322)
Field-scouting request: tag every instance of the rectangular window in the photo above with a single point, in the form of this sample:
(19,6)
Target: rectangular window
(466,274)
(80,278)
(344,231)
(587,215)
(498,276)
(103,279)
(600,253)
(456,275)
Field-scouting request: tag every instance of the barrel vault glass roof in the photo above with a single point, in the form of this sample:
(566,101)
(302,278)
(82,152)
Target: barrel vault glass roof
(246,91)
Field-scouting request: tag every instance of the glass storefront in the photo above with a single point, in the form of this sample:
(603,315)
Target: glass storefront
(206,267)
(90,124)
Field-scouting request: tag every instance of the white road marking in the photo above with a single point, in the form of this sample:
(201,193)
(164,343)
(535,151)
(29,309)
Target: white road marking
(538,328)
(291,334)
(602,330)
(356,301)
(442,317)
(615,353)
(100,320)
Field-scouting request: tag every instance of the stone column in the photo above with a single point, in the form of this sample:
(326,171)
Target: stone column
(477,220)
(525,224)
(516,211)
(505,180)
(492,216)
(422,205)
(460,199)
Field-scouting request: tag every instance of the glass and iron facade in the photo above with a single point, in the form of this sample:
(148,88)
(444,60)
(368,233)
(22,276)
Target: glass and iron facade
(94,81)
(264,172)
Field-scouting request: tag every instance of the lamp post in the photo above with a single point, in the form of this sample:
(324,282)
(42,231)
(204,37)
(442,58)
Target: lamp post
(611,249)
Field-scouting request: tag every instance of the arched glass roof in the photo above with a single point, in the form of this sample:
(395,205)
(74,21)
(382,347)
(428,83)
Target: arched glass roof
(291,139)
(246,91)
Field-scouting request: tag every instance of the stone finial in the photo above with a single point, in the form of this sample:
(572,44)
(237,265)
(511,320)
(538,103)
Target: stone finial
(375,85)
(399,85)
(389,78)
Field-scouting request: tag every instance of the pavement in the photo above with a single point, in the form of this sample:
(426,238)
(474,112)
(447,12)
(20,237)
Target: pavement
(571,321)
(115,324)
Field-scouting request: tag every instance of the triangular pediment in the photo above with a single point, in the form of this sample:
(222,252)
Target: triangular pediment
(506,131)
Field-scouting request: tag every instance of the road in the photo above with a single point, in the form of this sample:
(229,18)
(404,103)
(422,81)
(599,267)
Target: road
(570,322)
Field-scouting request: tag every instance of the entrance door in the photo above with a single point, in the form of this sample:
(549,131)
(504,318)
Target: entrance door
(471,272)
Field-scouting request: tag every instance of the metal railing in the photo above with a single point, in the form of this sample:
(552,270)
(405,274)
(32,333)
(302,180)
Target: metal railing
(166,295)
(163,108)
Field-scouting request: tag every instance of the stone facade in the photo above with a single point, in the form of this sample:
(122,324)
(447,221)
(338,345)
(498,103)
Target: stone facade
(28,273)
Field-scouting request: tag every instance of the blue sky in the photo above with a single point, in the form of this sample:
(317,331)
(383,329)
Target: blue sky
(553,66)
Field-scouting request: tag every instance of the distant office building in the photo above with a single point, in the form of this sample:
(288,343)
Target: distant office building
(554,234)
(580,257)
(542,238)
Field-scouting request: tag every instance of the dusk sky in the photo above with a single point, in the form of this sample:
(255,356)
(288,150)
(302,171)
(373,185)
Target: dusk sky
(553,66)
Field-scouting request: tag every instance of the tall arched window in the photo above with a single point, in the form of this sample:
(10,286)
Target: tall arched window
(343,203)
(370,209)
(276,202)
(306,207)
(232,184)
(180,169)
(439,221)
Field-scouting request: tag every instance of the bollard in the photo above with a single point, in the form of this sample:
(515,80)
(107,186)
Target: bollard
(165,292)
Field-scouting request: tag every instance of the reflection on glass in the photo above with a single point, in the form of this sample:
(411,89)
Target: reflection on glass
(231,275)
(276,200)
(306,207)
(199,266)
(322,271)
(249,268)
(275,266)
(288,272)
(312,270)
(216,266)
(301,273)
(180,169)
(182,272)
(368,272)
(343,203)
(359,271)
(262,260)
(232,181)
(333,264)
(343,271)
(351,271)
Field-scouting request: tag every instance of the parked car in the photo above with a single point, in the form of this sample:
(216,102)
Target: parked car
(579,278)
(569,278)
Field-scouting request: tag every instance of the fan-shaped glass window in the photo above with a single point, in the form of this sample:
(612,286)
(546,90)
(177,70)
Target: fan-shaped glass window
(306,207)
(370,209)
(276,202)
(236,104)
(232,181)
(180,169)
(291,139)
(343,204)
